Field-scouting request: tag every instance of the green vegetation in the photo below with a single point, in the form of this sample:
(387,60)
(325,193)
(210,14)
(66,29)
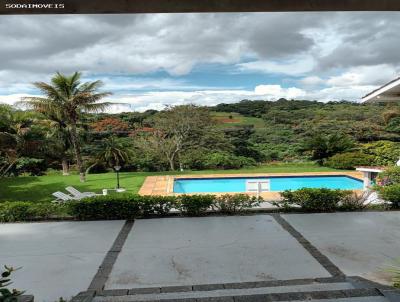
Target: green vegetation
(126,206)
(39,188)
(235,203)
(391,193)
(390,176)
(395,271)
(64,131)
(129,206)
(389,186)
(349,160)
(321,200)
(195,205)
(64,101)
(7,294)
(313,200)
(26,211)
(233,119)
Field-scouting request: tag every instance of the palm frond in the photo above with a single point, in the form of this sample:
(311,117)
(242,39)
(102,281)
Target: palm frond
(39,104)
(95,108)
(90,86)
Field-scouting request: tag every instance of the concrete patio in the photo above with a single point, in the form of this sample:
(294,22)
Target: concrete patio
(60,259)
(360,244)
(57,259)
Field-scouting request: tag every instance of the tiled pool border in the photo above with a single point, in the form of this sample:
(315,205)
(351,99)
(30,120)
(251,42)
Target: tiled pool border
(163,184)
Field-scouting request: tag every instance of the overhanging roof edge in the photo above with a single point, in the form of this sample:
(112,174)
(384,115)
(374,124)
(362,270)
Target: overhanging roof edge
(381,89)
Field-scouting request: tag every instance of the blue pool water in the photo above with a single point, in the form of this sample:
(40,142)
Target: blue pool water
(277,183)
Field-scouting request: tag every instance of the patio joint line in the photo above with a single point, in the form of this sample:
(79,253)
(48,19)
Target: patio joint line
(100,278)
(310,248)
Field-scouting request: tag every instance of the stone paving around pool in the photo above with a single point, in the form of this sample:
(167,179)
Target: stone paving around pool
(163,184)
(60,259)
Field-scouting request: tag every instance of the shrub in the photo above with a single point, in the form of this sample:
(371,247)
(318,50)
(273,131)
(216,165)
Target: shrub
(225,160)
(313,200)
(122,206)
(33,166)
(384,152)
(25,211)
(195,205)
(349,160)
(391,175)
(390,193)
(6,294)
(236,203)
(156,205)
(353,202)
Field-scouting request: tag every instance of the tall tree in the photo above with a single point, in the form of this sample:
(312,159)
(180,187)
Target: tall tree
(176,129)
(65,99)
(59,142)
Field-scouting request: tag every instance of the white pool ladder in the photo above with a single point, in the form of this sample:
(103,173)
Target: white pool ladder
(258,186)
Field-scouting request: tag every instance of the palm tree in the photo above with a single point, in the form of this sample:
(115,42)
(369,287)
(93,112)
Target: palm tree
(59,142)
(114,152)
(65,99)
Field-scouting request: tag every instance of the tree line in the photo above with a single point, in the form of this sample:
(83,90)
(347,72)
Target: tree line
(67,128)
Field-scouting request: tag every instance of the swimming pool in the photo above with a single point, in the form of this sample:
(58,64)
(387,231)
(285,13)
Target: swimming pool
(277,183)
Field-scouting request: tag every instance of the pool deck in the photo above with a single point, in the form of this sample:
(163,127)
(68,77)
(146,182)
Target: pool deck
(163,184)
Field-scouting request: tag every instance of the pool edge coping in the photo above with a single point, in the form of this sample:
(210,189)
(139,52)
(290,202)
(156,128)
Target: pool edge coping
(163,184)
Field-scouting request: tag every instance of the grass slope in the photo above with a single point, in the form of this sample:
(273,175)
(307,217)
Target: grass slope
(225,119)
(28,188)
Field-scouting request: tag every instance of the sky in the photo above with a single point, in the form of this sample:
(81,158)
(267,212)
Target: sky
(149,61)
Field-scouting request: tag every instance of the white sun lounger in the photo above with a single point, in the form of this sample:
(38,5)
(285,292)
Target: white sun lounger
(62,197)
(79,195)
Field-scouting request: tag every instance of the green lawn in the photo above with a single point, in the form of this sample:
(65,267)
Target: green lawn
(39,188)
(223,120)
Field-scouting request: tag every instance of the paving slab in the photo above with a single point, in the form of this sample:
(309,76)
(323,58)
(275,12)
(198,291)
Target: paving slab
(208,250)
(363,244)
(234,292)
(58,259)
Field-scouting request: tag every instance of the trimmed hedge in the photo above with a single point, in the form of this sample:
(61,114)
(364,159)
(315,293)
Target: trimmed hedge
(11,211)
(122,206)
(237,203)
(313,200)
(194,205)
(129,206)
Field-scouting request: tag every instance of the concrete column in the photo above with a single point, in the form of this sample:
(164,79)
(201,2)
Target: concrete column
(367,180)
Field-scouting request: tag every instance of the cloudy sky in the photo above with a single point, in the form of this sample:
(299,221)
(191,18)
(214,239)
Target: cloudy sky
(148,61)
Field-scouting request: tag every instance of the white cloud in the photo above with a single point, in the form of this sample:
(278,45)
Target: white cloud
(276,92)
(158,100)
(311,81)
(364,75)
(347,54)
(350,93)
(13,99)
(297,66)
